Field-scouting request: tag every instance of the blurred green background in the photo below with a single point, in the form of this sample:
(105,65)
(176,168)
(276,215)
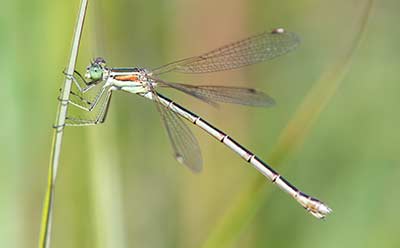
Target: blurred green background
(334,132)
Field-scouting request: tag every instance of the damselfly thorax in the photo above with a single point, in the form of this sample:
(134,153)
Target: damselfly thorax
(132,80)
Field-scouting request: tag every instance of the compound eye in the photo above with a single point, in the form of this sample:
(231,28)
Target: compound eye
(95,72)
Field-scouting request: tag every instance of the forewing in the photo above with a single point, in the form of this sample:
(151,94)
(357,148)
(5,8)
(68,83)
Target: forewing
(245,52)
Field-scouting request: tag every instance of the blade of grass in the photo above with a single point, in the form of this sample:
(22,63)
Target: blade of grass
(48,204)
(249,201)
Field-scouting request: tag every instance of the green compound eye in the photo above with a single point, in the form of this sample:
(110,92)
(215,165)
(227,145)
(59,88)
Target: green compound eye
(95,72)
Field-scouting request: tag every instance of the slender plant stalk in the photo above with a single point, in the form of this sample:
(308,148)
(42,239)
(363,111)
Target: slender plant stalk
(249,201)
(48,204)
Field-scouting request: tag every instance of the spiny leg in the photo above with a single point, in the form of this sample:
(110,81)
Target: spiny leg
(81,98)
(99,119)
(92,103)
(106,108)
(88,85)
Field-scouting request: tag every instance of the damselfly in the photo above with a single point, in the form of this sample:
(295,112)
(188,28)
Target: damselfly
(144,82)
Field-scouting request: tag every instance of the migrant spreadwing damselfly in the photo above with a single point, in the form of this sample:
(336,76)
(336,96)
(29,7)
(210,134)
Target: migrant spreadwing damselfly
(143,82)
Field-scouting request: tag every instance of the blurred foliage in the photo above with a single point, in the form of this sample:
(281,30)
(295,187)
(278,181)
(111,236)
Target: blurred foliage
(119,186)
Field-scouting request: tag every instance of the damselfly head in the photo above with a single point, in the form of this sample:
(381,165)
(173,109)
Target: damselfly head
(96,68)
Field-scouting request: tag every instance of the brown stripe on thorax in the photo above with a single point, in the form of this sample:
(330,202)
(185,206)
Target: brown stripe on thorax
(127,78)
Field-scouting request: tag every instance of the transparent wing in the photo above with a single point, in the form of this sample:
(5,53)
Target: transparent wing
(212,94)
(245,52)
(185,145)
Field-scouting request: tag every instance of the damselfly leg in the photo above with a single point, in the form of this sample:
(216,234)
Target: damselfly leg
(99,118)
(86,85)
(86,104)
(102,98)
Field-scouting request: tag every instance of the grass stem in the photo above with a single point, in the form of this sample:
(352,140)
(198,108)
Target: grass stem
(48,204)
